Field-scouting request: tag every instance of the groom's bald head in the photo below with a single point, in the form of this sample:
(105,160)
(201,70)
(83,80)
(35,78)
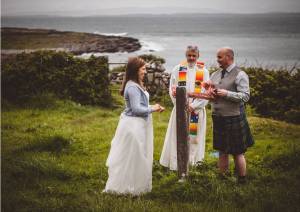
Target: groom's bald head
(227,51)
(225,56)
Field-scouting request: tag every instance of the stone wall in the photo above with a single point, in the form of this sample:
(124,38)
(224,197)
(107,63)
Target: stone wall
(156,79)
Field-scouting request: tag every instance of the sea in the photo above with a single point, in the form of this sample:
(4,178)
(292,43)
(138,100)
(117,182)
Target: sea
(261,40)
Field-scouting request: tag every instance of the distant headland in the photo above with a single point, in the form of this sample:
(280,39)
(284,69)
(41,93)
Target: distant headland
(16,40)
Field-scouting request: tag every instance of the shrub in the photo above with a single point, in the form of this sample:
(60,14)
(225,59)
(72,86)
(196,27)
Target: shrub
(29,75)
(275,93)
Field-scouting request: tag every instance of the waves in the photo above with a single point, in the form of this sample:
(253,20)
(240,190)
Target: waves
(151,46)
(111,34)
(147,45)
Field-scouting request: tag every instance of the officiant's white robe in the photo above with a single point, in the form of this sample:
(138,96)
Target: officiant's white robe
(169,153)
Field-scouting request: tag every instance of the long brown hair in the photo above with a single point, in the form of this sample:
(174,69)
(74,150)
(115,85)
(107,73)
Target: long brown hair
(131,73)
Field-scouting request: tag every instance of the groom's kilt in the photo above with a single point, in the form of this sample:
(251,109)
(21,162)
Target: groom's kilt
(231,134)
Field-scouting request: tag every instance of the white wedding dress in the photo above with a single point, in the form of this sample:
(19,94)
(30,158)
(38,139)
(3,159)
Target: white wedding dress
(131,156)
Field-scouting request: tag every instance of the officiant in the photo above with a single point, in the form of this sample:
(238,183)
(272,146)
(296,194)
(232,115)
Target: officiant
(190,73)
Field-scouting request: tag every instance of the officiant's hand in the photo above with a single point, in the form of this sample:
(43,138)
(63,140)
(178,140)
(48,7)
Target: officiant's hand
(194,95)
(190,108)
(191,94)
(206,95)
(173,90)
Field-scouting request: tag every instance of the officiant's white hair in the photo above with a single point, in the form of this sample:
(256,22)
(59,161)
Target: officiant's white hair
(192,48)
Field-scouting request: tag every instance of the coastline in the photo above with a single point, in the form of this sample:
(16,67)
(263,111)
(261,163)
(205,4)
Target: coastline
(17,40)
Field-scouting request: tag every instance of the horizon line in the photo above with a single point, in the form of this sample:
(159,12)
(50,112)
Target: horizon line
(149,14)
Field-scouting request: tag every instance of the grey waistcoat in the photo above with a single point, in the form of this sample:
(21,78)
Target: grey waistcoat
(223,106)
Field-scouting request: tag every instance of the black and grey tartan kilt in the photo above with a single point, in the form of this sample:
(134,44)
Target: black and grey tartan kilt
(231,134)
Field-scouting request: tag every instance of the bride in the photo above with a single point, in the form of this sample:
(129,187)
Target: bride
(131,155)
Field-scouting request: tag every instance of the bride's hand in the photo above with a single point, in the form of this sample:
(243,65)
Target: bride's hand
(161,109)
(156,107)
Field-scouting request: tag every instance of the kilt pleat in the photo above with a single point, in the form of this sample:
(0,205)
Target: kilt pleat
(231,134)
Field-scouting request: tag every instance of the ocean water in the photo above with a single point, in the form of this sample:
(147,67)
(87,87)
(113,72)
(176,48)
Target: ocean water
(268,40)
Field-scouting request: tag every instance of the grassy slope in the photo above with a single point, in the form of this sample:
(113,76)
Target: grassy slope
(54,159)
(42,40)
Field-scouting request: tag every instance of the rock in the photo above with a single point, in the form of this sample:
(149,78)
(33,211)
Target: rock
(157,75)
(156,79)
(150,77)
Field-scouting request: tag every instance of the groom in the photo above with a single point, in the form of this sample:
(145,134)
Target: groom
(189,74)
(231,132)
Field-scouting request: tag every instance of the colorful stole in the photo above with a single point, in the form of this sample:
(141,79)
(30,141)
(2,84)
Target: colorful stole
(182,74)
(198,80)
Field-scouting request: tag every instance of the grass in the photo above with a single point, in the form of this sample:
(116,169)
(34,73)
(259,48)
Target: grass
(40,41)
(53,159)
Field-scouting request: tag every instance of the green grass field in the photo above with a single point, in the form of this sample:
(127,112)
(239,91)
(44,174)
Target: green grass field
(54,153)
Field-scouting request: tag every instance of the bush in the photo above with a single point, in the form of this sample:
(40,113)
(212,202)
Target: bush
(30,75)
(153,59)
(275,93)
(119,69)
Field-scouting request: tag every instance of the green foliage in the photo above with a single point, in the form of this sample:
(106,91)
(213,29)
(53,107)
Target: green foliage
(162,96)
(119,69)
(27,76)
(275,93)
(150,58)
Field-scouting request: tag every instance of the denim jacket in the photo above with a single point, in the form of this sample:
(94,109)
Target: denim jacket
(137,103)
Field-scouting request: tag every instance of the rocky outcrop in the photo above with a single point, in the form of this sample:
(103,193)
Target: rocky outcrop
(15,40)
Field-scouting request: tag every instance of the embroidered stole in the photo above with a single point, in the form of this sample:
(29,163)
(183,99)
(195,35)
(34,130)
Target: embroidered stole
(182,75)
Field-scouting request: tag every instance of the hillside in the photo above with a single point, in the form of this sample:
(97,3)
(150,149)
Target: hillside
(54,152)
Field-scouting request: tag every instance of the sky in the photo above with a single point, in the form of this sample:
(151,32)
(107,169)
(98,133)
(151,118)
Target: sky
(113,7)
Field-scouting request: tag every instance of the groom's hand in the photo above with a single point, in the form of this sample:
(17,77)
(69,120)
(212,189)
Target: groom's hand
(207,84)
(222,92)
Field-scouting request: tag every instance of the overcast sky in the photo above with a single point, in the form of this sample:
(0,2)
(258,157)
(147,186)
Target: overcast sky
(92,7)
